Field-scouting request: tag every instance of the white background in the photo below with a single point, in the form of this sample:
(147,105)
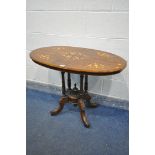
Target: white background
(97,24)
(13,69)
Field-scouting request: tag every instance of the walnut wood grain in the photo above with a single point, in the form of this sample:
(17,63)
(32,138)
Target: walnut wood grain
(78,60)
(63,100)
(81,61)
(80,103)
(82,113)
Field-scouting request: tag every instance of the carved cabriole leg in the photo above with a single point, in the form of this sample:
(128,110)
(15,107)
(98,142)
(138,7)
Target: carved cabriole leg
(64,98)
(82,113)
(62,102)
(75,96)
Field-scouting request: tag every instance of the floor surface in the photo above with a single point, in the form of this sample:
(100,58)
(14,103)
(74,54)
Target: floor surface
(65,134)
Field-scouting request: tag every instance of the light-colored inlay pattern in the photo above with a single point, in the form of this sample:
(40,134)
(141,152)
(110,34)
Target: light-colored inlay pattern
(74,55)
(62,65)
(102,54)
(95,66)
(79,59)
(43,56)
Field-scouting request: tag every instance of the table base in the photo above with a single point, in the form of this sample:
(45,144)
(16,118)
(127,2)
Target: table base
(79,97)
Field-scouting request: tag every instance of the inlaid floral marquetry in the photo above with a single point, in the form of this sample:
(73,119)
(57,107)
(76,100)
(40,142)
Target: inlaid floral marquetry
(78,60)
(82,61)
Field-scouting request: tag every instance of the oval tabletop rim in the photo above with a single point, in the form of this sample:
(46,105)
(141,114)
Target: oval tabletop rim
(44,62)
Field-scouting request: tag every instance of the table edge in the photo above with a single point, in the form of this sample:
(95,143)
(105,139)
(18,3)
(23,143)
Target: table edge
(80,72)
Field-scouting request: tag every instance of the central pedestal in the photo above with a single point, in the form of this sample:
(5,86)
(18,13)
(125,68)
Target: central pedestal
(79,97)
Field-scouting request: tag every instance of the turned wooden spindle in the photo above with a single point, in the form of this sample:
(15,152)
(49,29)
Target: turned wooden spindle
(82,61)
(63,83)
(69,81)
(86,83)
(81,82)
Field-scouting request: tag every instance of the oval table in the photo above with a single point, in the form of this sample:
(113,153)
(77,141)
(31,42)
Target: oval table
(77,60)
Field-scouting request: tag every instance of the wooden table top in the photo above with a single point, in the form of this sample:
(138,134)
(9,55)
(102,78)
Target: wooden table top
(78,60)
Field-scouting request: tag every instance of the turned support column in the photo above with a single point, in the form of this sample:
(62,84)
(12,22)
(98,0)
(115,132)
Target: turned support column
(81,82)
(69,81)
(63,83)
(76,96)
(86,83)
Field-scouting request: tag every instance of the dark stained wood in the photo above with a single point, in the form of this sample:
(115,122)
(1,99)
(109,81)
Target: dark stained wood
(62,102)
(69,81)
(81,82)
(78,60)
(63,83)
(82,113)
(81,61)
(80,103)
(86,83)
